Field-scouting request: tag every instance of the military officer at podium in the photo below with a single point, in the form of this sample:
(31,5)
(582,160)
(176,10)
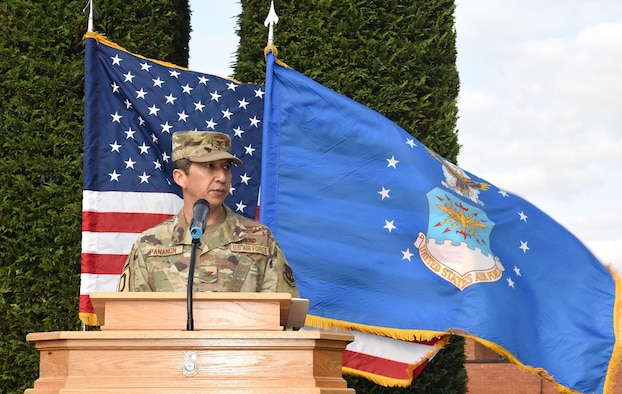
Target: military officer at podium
(235,254)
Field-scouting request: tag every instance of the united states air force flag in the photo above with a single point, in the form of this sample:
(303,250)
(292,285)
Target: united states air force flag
(132,107)
(385,236)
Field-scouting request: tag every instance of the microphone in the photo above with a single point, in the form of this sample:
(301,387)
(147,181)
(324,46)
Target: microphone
(200,210)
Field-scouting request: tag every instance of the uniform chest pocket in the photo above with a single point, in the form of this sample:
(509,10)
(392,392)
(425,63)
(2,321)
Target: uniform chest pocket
(220,270)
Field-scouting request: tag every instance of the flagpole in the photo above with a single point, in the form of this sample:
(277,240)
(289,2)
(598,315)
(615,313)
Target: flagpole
(91,10)
(271,20)
(90,28)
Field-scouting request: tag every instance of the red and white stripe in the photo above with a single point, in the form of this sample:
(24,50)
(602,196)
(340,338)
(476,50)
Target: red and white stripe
(111,221)
(387,360)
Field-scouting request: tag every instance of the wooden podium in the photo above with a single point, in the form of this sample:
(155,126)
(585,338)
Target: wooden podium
(239,345)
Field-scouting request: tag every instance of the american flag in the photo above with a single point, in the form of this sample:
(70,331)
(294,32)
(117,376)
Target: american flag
(132,107)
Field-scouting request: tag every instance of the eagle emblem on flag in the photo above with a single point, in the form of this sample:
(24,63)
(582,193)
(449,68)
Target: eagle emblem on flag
(456,246)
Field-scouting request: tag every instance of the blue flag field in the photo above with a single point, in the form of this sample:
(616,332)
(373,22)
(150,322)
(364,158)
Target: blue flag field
(386,236)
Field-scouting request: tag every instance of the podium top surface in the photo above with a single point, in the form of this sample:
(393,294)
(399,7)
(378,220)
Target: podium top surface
(181,335)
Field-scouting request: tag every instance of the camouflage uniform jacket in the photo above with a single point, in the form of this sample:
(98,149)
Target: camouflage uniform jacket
(241,255)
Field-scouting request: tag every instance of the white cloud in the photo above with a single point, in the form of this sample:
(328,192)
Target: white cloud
(213,40)
(539,108)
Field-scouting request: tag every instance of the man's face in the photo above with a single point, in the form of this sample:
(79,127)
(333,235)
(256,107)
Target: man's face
(210,181)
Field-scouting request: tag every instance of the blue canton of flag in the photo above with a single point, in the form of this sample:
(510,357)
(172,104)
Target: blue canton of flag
(132,107)
(385,236)
(142,102)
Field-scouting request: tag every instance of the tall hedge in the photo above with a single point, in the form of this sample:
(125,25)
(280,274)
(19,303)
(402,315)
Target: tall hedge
(396,57)
(41,137)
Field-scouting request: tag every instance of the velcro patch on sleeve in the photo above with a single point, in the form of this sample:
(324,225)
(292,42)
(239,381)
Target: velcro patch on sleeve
(288,275)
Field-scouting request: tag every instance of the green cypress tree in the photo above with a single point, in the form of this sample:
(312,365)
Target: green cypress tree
(41,137)
(398,58)
(157,29)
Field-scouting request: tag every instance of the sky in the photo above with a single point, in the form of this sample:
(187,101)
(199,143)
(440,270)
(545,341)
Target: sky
(539,108)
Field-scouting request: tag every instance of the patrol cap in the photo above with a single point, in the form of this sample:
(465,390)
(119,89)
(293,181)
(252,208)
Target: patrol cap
(202,146)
